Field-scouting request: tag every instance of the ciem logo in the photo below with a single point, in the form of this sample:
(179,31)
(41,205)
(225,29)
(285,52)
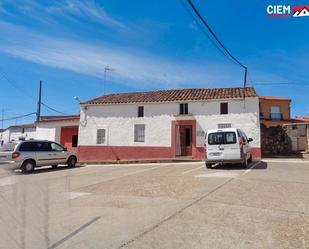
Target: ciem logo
(285,11)
(278,10)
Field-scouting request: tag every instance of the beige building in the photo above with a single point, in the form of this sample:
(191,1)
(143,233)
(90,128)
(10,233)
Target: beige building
(274,111)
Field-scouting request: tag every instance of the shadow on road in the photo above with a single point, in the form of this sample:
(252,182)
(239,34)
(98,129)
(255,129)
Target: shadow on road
(46,169)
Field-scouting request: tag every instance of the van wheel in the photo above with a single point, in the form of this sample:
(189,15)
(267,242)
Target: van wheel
(245,164)
(208,165)
(27,166)
(72,161)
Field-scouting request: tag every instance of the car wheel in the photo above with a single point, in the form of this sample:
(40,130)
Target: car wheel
(208,165)
(245,164)
(55,166)
(72,161)
(28,166)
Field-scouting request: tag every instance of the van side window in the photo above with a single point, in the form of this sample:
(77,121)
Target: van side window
(43,146)
(28,146)
(242,136)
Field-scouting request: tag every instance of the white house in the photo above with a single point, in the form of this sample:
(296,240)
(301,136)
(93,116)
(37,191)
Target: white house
(18,132)
(61,129)
(163,124)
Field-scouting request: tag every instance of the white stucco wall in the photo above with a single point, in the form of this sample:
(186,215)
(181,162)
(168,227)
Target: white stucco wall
(51,130)
(119,121)
(16,133)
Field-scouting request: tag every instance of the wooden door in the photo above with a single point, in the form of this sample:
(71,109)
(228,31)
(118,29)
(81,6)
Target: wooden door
(185,132)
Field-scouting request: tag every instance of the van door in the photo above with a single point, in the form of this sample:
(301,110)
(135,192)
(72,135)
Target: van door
(44,154)
(59,155)
(215,145)
(231,146)
(245,144)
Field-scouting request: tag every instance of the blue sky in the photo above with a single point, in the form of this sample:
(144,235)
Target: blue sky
(150,44)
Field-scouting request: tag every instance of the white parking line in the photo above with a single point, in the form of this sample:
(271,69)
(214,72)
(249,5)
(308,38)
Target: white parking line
(191,170)
(248,170)
(286,160)
(74,195)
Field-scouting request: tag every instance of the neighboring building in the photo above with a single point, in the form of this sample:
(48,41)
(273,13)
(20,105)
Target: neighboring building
(19,132)
(298,132)
(164,124)
(274,111)
(61,129)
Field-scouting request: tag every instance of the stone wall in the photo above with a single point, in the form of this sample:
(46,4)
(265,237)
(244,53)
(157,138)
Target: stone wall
(274,140)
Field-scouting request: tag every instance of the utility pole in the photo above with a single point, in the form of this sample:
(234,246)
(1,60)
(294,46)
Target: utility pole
(107,68)
(38,114)
(2,118)
(2,125)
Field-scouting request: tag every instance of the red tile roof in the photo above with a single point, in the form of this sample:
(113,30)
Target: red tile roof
(22,126)
(301,119)
(274,98)
(58,118)
(174,95)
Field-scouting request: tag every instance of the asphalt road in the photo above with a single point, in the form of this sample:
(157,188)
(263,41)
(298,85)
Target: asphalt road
(171,205)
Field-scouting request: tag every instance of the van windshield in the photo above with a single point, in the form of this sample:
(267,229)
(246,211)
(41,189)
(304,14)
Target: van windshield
(222,138)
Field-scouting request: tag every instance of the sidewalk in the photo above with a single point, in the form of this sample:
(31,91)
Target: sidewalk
(141,161)
(304,156)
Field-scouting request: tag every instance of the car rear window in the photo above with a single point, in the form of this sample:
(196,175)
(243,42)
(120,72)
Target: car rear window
(216,138)
(8,147)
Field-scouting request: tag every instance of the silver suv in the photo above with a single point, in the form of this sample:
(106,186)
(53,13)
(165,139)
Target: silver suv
(28,155)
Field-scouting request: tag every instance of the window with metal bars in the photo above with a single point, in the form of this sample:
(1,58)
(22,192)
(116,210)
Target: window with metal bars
(139,133)
(101,133)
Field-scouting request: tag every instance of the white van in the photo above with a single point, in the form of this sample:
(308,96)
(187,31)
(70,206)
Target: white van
(228,145)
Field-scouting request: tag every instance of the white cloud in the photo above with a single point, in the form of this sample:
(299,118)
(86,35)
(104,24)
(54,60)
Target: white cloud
(86,9)
(132,67)
(70,9)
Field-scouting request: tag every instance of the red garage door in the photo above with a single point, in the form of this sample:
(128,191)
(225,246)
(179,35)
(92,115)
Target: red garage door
(69,137)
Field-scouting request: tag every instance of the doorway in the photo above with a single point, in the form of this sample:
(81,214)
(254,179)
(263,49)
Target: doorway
(69,138)
(185,139)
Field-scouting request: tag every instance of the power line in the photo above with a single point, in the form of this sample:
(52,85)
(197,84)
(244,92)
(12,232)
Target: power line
(52,109)
(214,35)
(17,117)
(220,43)
(26,94)
(16,86)
(279,83)
(205,33)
